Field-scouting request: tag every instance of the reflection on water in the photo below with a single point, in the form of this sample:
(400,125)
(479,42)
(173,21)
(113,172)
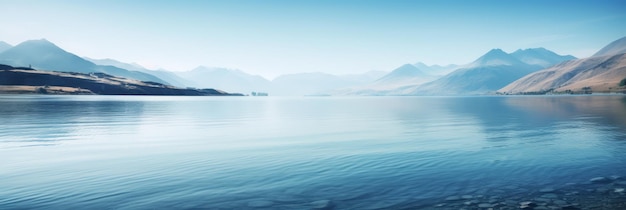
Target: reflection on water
(128,152)
(34,121)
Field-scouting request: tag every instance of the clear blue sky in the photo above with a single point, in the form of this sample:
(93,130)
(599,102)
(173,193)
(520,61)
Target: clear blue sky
(270,37)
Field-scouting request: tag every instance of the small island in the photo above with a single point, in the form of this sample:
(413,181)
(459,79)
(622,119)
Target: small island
(25,80)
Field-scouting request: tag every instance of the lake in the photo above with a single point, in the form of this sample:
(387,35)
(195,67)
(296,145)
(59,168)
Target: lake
(145,152)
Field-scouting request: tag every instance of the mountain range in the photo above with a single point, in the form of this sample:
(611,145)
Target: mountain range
(488,73)
(42,54)
(167,76)
(522,71)
(436,69)
(28,80)
(405,75)
(602,72)
(225,79)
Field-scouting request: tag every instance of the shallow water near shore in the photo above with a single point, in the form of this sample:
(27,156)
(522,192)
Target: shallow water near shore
(143,152)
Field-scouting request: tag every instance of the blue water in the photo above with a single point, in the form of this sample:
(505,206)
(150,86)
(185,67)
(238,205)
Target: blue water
(141,152)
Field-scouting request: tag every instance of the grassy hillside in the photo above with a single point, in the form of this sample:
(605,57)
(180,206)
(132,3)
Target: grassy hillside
(25,80)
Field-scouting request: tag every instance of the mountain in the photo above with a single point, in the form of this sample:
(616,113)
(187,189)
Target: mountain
(405,75)
(402,73)
(496,57)
(4,46)
(43,54)
(25,80)
(600,73)
(436,69)
(167,76)
(229,80)
(116,63)
(615,47)
(540,56)
(488,73)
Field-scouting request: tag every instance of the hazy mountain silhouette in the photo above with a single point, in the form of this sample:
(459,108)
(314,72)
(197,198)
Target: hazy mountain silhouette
(405,75)
(43,54)
(4,46)
(116,63)
(496,57)
(436,69)
(601,72)
(540,56)
(229,80)
(404,72)
(490,72)
(168,76)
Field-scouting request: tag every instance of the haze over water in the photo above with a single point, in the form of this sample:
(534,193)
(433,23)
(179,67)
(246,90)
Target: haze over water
(140,152)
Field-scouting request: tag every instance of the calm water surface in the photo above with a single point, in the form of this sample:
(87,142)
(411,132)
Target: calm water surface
(141,152)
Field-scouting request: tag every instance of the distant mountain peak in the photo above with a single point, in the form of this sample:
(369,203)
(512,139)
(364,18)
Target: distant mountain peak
(407,67)
(538,50)
(43,54)
(535,50)
(495,51)
(39,41)
(39,44)
(404,72)
(540,56)
(407,70)
(496,57)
